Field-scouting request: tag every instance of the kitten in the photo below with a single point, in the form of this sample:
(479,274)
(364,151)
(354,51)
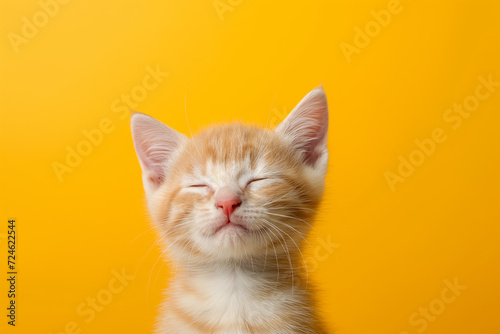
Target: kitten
(233,205)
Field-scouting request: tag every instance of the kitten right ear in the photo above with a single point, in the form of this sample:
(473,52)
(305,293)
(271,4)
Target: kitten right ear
(306,127)
(154,144)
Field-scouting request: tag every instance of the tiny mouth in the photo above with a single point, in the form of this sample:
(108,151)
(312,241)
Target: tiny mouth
(230,225)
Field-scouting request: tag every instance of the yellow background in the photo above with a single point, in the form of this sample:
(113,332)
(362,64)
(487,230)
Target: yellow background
(390,251)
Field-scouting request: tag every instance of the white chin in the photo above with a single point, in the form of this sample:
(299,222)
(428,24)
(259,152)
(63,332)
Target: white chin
(231,229)
(232,242)
(227,242)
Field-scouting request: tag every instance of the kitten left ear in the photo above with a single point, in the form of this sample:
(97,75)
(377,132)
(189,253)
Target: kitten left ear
(154,144)
(306,126)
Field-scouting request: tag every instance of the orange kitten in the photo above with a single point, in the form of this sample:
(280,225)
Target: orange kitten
(233,206)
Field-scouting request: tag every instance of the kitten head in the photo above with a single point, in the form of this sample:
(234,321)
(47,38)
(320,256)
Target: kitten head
(235,191)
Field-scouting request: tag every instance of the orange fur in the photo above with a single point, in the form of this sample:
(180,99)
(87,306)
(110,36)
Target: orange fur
(248,280)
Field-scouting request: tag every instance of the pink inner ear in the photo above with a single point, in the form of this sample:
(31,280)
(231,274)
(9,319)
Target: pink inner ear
(307,125)
(154,144)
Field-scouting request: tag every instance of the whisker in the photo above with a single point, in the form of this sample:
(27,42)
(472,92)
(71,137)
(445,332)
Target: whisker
(155,242)
(300,252)
(140,235)
(287,252)
(302,235)
(290,217)
(151,272)
(276,257)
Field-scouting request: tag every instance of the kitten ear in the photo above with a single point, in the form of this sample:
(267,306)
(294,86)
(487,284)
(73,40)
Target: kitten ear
(154,144)
(306,126)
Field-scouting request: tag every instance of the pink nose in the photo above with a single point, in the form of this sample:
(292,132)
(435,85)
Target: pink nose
(228,201)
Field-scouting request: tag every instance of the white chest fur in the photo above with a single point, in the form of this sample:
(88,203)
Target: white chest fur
(229,300)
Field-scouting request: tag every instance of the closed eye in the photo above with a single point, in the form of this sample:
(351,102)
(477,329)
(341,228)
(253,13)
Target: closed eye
(199,186)
(255,180)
